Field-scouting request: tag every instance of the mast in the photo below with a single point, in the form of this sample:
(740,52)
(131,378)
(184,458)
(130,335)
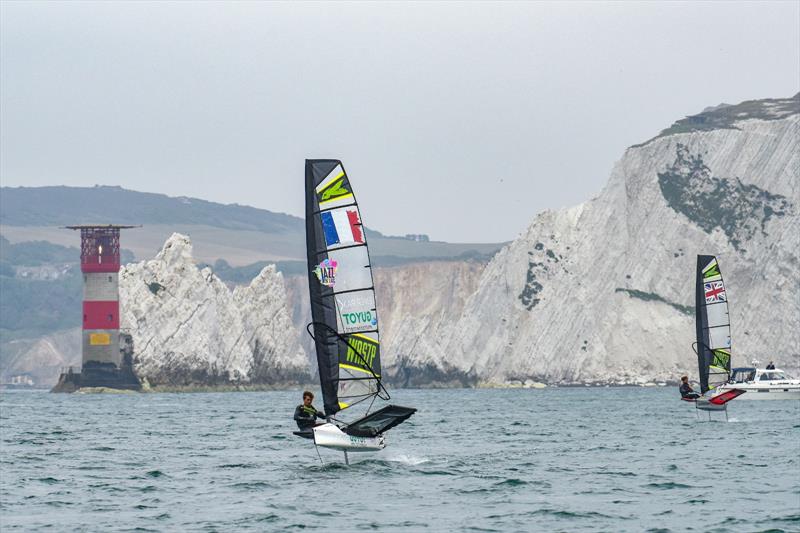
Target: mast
(341,289)
(712,324)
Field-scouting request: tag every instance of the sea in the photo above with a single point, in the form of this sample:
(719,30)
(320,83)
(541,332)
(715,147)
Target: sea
(555,459)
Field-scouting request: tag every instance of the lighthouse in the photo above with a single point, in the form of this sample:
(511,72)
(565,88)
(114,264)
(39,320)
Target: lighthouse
(102,362)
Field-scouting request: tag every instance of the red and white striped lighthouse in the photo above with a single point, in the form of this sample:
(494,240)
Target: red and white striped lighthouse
(102,362)
(100,263)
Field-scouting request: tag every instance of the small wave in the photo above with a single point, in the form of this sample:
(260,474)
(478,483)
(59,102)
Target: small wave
(26,458)
(436,472)
(511,482)
(156,473)
(58,503)
(106,487)
(473,491)
(668,485)
(320,513)
(49,480)
(328,467)
(236,465)
(252,485)
(568,514)
(615,473)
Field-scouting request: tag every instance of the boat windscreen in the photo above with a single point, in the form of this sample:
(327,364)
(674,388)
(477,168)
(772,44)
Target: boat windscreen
(343,310)
(712,324)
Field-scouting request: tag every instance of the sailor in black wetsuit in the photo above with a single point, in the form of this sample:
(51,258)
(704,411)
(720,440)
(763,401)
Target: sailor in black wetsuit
(306,415)
(687,392)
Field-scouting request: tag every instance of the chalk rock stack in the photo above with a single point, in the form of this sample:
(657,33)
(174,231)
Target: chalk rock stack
(189,328)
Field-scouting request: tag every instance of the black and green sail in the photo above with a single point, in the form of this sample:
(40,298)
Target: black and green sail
(713,324)
(343,310)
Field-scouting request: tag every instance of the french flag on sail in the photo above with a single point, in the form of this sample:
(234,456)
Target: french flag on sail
(342,226)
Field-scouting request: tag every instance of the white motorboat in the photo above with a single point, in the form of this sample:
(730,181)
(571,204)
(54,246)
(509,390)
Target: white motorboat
(763,384)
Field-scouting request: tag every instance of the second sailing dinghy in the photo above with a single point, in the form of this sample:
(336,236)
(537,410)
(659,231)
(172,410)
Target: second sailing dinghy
(713,328)
(344,317)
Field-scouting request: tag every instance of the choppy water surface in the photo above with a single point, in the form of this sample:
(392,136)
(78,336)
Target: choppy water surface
(471,460)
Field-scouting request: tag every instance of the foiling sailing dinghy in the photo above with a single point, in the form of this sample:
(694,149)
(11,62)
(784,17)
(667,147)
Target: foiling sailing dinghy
(713,344)
(344,322)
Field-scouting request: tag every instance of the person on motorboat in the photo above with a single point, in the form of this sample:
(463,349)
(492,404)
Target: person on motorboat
(306,414)
(771,366)
(687,392)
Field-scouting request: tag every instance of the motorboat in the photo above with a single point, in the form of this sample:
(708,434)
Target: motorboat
(763,383)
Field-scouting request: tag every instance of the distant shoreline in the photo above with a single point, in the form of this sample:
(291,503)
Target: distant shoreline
(191,389)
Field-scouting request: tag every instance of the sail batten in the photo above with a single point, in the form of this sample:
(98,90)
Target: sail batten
(712,321)
(341,288)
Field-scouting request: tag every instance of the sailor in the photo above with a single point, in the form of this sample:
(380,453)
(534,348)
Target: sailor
(305,414)
(687,391)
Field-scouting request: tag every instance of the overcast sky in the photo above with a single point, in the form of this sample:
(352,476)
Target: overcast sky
(457,120)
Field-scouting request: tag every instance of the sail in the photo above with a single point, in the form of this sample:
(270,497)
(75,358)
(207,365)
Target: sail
(344,318)
(713,324)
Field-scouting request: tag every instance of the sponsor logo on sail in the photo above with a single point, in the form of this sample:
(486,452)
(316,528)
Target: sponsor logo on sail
(357,312)
(722,359)
(336,189)
(361,300)
(326,272)
(359,319)
(711,270)
(361,351)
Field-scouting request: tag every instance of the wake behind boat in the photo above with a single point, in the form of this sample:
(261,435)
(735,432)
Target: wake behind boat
(344,316)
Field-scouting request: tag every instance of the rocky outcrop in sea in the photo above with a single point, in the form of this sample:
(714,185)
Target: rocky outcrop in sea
(189,328)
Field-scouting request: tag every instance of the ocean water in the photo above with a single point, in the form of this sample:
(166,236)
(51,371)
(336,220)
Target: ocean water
(625,459)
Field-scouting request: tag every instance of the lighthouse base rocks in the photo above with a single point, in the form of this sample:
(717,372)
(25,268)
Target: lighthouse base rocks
(96,374)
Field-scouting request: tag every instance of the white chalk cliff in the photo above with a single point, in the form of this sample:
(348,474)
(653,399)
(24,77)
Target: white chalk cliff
(189,328)
(604,292)
(599,293)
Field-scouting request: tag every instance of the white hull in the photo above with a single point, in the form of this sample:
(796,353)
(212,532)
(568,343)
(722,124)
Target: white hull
(330,436)
(766,392)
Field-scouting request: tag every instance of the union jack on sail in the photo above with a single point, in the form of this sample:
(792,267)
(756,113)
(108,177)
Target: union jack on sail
(714,292)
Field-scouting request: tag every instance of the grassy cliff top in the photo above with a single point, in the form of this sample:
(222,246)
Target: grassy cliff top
(725,116)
